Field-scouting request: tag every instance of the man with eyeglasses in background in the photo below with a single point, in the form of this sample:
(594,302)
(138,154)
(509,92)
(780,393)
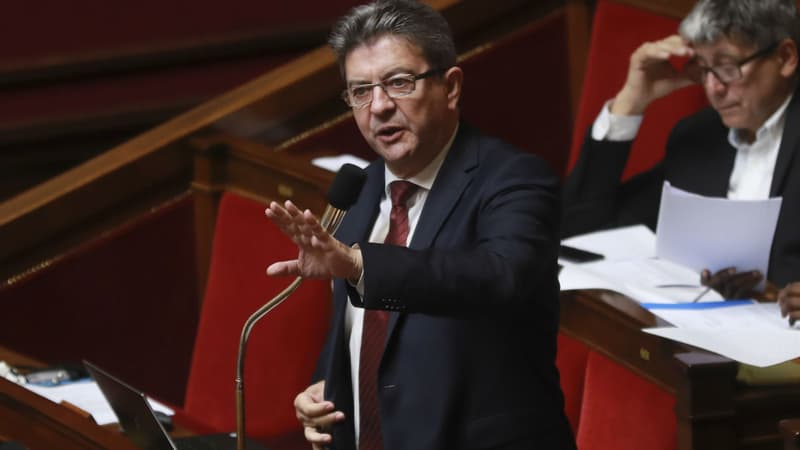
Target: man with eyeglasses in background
(745,146)
(445,275)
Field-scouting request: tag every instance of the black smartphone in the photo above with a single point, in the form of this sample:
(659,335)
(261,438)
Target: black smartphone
(577,255)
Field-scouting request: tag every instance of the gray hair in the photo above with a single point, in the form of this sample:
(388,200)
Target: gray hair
(746,22)
(416,22)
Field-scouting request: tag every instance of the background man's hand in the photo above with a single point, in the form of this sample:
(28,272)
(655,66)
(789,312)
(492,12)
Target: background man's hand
(789,301)
(316,414)
(730,283)
(651,75)
(320,255)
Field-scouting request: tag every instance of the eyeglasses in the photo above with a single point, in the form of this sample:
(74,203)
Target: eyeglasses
(727,72)
(396,86)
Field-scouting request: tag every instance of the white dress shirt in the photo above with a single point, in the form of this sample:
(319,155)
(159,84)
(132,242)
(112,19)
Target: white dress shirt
(753,166)
(354,317)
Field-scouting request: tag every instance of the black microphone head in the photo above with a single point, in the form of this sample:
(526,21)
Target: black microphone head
(346,186)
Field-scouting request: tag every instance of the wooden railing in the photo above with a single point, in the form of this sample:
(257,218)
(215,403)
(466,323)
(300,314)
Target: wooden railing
(63,107)
(161,55)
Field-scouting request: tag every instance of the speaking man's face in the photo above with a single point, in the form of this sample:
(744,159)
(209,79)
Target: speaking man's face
(407,131)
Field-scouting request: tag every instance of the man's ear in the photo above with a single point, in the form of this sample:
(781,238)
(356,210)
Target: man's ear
(454,77)
(787,52)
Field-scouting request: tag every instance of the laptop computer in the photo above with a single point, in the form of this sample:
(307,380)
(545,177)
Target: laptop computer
(140,424)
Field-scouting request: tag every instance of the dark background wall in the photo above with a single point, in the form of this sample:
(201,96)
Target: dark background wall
(79,77)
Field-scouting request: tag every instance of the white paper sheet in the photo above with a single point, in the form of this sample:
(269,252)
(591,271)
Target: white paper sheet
(774,346)
(334,163)
(88,397)
(635,241)
(748,332)
(739,314)
(714,233)
(648,280)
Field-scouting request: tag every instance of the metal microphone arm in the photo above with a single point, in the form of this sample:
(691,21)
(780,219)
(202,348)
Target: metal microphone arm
(331,219)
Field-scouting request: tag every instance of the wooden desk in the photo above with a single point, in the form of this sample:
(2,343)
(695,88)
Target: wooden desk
(40,424)
(712,410)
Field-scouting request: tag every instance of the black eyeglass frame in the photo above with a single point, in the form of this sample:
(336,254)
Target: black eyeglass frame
(371,86)
(699,73)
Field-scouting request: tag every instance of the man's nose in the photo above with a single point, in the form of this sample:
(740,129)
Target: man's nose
(381,101)
(713,85)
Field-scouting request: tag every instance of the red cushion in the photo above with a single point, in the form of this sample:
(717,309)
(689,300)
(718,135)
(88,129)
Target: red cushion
(623,411)
(283,346)
(571,361)
(617,31)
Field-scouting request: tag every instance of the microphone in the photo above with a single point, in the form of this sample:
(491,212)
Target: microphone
(342,194)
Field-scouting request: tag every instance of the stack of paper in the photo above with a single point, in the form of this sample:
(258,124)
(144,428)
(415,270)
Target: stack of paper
(694,233)
(745,331)
(663,273)
(631,268)
(715,233)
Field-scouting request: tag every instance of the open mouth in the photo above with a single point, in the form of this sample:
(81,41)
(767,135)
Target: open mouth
(726,107)
(389,133)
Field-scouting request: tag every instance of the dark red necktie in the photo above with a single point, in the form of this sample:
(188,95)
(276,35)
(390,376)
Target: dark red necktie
(373,335)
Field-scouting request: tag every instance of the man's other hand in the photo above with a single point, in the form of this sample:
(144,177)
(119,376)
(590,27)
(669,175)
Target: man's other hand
(651,75)
(316,414)
(789,301)
(730,283)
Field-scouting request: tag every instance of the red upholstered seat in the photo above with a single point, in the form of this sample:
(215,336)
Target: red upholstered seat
(623,411)
(610,407)
(283,346)
(617,30)
(571,361)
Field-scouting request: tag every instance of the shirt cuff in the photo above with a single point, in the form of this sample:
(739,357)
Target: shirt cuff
(613,127)
(359,285)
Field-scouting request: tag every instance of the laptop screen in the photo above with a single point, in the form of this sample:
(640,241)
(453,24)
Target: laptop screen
(135,415)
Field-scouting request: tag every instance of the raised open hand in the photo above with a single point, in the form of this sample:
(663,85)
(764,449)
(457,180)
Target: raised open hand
(320,255)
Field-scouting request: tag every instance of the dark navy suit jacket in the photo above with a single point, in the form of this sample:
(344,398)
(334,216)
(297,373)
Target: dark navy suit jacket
(469,357)
(698,159)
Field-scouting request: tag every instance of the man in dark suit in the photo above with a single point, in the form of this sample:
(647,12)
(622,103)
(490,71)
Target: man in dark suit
(745,146)
(470,307)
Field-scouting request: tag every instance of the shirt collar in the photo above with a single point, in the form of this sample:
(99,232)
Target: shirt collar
(427,175)
(772,126)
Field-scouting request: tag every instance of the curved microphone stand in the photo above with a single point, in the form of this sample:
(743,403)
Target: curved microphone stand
(331,219)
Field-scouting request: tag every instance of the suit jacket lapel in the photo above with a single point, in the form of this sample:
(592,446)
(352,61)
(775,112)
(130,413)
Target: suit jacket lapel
(789,144)
(449,186)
